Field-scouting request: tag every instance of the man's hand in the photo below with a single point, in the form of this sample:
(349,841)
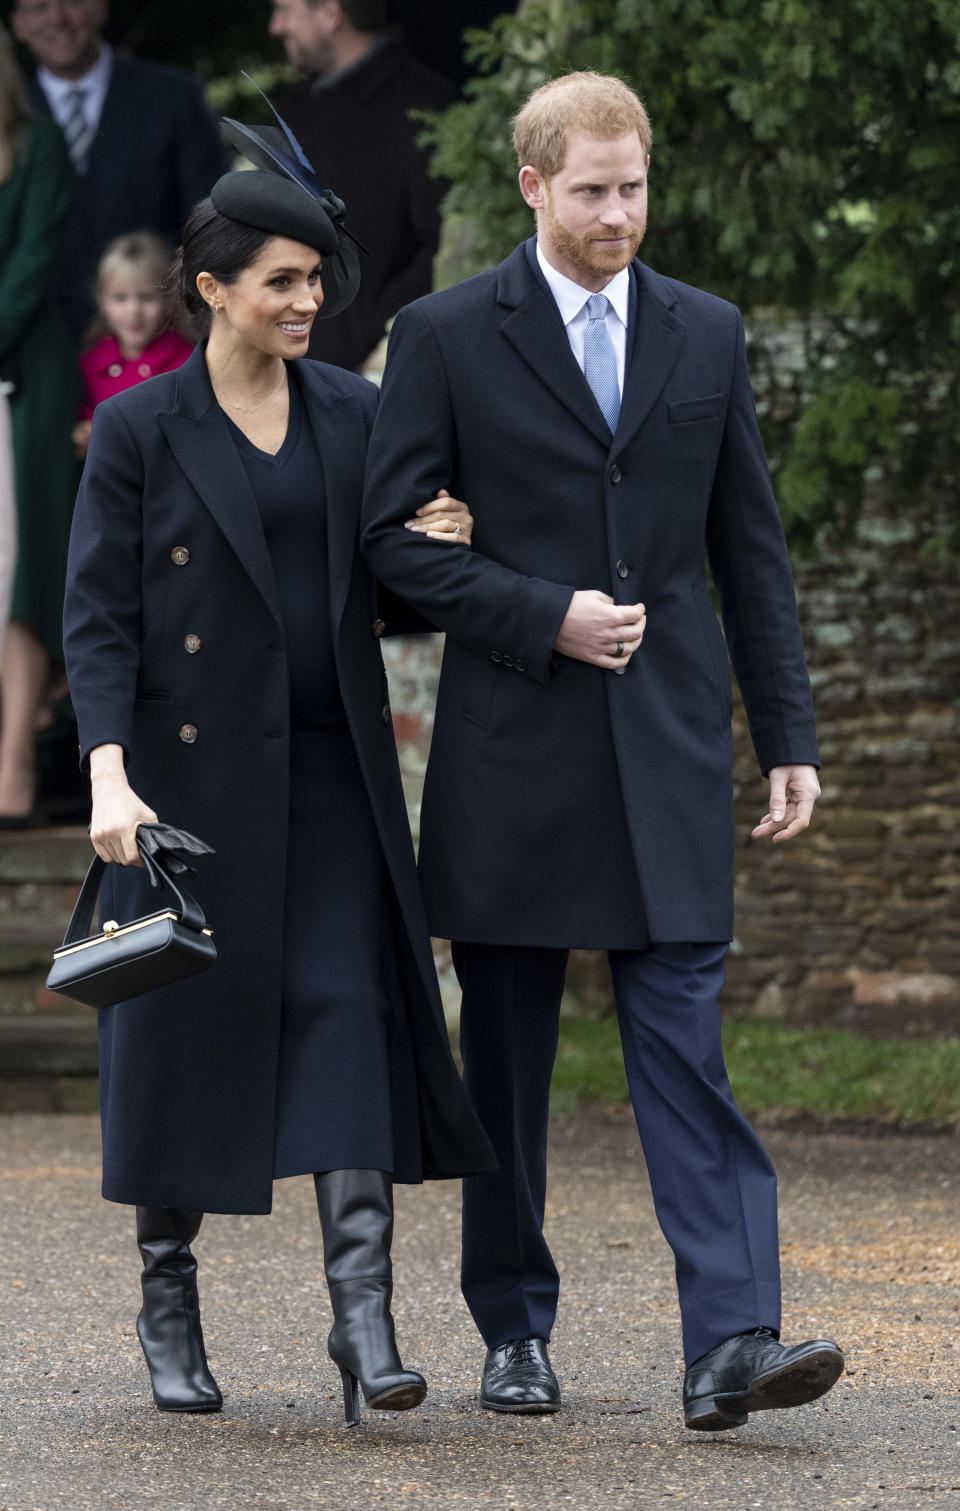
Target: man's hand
(793,792)
(599,631)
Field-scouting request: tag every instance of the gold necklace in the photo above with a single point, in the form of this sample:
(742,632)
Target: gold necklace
(251,409)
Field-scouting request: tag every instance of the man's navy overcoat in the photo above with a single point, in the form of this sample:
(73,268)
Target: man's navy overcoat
(540,764)
(167,550)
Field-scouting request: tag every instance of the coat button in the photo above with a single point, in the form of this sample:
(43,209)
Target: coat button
(508,660)
(192,644)
(179,556)
(615,474)
(378,628)
(114,370)
(622,569)
(188,734)
(496,657)
(385,713)
(618,671)
(520,666)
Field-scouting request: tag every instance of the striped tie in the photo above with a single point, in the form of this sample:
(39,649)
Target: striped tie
(600,361)
(77,130)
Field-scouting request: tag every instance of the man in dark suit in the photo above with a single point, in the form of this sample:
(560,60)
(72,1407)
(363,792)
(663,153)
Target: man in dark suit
(145,146)
(599,420)
(353,121)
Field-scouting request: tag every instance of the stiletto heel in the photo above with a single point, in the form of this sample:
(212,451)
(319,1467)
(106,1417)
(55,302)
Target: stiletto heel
(169,1323)
(351,1396)
(356,1215)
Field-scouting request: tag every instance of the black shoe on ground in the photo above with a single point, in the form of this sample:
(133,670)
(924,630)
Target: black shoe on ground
(518,1376)
(755,1372)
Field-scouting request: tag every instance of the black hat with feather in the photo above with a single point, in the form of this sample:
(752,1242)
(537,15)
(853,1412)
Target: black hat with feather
(283,196)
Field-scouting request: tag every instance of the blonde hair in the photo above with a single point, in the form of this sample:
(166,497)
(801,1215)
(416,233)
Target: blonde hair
(137,252)
(14,109)
(597,103)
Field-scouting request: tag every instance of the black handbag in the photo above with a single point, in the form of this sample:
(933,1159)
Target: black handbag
(126,960)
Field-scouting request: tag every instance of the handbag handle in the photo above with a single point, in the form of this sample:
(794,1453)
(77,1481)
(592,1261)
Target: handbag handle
(81,919)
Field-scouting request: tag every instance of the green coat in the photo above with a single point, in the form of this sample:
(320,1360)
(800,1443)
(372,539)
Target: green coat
(35,206)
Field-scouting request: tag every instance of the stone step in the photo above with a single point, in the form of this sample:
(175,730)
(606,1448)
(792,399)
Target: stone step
(44,855)
(42,1036)
(59,1045)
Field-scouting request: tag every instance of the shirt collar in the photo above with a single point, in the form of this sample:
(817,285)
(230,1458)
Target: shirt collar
(94,81)
(571,297)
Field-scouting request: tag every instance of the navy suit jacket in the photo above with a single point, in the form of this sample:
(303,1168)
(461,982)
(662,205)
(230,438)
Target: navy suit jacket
(156,153)
(541,763)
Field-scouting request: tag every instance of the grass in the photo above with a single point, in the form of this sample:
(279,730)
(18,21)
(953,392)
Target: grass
(830,1074)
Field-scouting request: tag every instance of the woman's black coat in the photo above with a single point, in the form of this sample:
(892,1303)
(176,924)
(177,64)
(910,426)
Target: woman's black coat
(167,551)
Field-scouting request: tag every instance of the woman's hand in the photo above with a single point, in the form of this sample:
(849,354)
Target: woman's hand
(444,518)
(117,811)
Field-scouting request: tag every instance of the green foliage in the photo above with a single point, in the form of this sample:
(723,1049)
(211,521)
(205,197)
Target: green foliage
(786,1072)
(806,160)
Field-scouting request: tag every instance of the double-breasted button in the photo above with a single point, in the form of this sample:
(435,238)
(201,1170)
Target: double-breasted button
(385,713)
(496,657)
(508,660)
(179,556)
(378,628)
(615,474)
(622,569)
(520,666)
(192,644)
(188,734)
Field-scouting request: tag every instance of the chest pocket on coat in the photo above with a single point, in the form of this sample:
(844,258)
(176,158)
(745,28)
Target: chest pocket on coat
(683,411)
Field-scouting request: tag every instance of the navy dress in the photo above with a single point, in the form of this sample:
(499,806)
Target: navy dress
(344,1050)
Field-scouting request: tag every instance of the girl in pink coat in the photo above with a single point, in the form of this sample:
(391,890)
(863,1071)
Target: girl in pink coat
(136,341)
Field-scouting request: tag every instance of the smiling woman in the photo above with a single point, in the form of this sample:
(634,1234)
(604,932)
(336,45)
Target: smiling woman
(223,652)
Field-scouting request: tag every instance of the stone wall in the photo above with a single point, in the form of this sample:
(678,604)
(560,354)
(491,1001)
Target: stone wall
(858,921)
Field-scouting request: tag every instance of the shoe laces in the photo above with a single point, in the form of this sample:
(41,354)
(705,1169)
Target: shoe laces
(524,1351)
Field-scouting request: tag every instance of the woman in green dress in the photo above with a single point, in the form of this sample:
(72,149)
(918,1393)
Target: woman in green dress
(36,357)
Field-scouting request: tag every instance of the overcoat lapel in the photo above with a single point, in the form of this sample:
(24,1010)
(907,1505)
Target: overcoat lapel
(533,326)
(656,345)
(340,433)
(199,438)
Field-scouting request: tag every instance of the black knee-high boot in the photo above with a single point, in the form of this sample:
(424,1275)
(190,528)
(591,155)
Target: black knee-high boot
(356,1217)
(169,1324)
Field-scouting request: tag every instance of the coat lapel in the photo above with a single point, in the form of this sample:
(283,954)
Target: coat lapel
(533,326)
(198,435)
(340,432)
(656,345)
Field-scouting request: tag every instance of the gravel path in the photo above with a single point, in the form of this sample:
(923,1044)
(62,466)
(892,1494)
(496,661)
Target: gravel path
(871,1252)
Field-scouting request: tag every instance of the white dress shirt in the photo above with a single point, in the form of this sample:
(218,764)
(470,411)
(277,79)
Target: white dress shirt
(572,303)
(94,83)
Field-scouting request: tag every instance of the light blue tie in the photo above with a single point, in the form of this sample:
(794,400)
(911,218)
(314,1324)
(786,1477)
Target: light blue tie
(600,360)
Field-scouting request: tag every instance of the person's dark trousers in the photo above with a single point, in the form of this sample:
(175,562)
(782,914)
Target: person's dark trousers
(713,1186)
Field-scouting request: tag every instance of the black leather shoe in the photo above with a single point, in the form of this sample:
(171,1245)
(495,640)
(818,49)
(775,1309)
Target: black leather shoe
(755,1372)
(518,1376)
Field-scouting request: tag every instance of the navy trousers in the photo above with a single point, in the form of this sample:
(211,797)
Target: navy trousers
(714,1188)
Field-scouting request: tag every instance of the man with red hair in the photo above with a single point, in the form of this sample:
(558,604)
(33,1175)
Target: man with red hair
(599,420)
